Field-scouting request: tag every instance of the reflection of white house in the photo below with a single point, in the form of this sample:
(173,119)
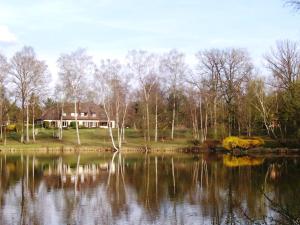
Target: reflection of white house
(89,115)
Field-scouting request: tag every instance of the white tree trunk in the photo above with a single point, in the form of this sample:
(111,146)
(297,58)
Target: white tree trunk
(33,128)
(215,118)
(201,120)
(110,128)
(27,122)
(173,116)
(77,128)
(156,120)
(148,121)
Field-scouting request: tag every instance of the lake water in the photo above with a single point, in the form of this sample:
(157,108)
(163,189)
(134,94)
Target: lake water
(148,189)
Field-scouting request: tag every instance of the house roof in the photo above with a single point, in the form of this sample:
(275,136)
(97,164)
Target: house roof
(88,108)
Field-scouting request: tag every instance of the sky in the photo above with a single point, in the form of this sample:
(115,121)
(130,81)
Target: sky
(110,28)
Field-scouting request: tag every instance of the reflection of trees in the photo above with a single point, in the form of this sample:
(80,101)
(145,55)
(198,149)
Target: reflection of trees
(116,189)
(148,190)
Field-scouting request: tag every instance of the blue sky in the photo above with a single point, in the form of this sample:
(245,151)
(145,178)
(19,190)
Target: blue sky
(109,28)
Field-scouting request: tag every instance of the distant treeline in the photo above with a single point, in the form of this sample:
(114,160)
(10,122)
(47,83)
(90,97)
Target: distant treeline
(222,95)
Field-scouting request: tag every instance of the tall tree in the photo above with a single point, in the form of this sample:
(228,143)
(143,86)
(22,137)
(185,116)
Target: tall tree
(284,64)
(208,77)
(112,91)
(4,69)
(173,68)
(74,71)
(143,66)
(28,74)
(235,69)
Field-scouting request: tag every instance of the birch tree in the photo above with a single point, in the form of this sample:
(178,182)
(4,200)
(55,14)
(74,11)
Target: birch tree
(4,69)
(173,68)
(28,76)
(144,66)
(112,92)
(75,69)
(208,76)
(283,62)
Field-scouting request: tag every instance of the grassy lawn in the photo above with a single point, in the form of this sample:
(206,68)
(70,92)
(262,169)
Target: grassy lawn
(95,138)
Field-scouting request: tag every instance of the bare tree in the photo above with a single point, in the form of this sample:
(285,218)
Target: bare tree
(284,63)
(235,69)
(28,74)
(61,98)
(112,92)
(143,66)
(173,67)
(264,107)
(4,69)
(208,76)
(74,71)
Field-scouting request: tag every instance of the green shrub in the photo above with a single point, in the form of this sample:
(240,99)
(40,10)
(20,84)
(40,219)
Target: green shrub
(46,124)
(38,126)
(73,124)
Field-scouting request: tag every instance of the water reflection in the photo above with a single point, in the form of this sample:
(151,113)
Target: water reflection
(146,189)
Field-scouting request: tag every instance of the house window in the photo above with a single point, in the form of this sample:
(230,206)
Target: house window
(64,114)
(84,114)
(103,124)
(93,114)
(74,114)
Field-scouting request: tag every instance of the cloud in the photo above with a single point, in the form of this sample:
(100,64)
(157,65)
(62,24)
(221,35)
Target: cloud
(6,36)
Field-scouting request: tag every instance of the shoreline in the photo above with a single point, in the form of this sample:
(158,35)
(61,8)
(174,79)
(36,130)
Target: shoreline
(166,150)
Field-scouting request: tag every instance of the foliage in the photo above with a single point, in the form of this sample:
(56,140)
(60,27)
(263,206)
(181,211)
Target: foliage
(233,142)
(46,124)
(232,161)
(11,127)
(73,124)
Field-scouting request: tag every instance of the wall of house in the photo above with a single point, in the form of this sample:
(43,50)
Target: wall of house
(84,123)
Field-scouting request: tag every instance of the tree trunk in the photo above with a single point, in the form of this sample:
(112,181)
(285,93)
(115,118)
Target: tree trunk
(23,121)
(173,116)
(77,128)
(27,122)
(118,126)
(5,138)
(206,122)
(148,120)
(61,121)
(201,121)
(123,133)
(33,128)
(215,119)
(155,138)
(110,128)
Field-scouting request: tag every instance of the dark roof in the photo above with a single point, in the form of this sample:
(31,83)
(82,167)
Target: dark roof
(89,108)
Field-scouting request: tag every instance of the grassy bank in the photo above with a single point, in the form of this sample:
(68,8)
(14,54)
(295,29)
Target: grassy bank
(94,139)
(99,140)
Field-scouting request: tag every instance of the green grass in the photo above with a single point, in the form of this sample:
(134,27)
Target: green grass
(96,138)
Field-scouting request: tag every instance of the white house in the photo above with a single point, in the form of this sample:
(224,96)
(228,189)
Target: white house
(89,115)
